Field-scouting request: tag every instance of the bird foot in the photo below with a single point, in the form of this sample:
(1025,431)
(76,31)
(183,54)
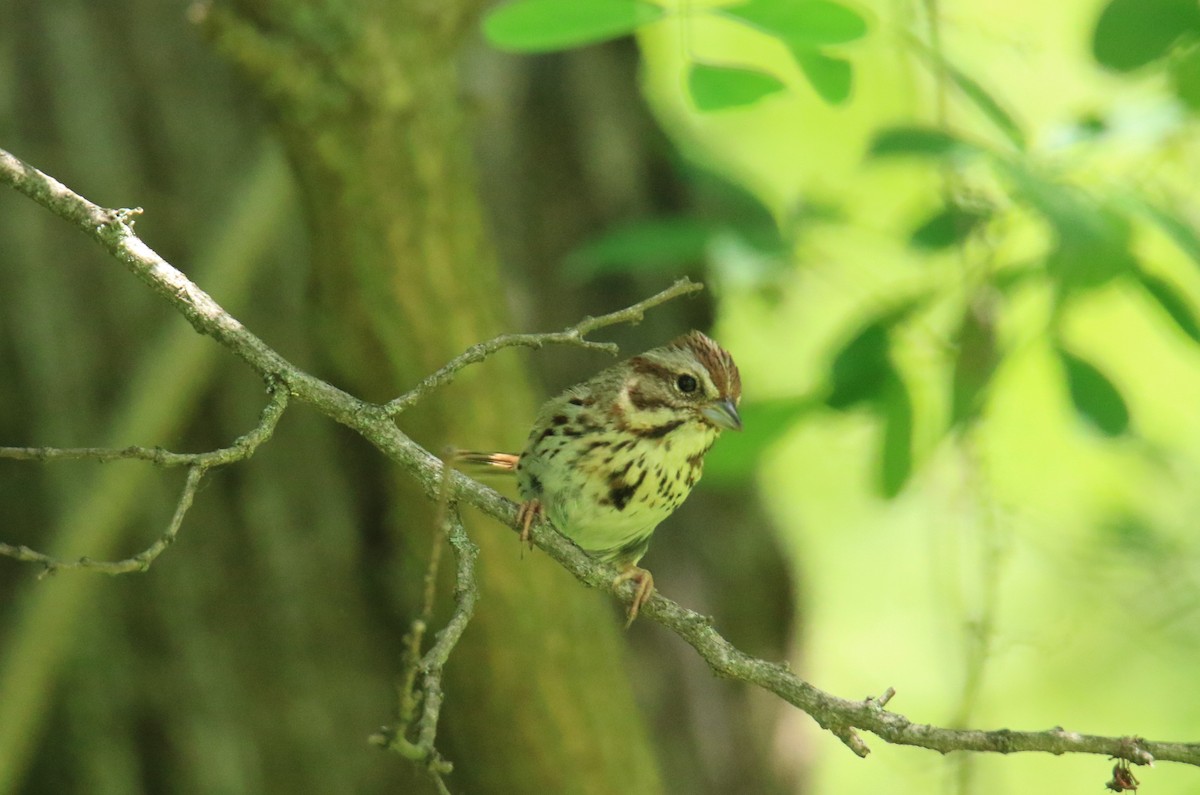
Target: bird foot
(643,589)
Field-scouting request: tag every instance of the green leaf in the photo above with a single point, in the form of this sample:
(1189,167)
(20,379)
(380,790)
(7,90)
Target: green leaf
(660,245)
(549,25)
(989,106)
(980,97)
(896,451)
(1096,399)
(1172,302)
(948,227)
(916,141)
(1130,534)
(1092,236)
(736,456)
(723,87)
(1178,230)
(1132,33)
(861,369)
(832,78)
(802,23)
(1184,71)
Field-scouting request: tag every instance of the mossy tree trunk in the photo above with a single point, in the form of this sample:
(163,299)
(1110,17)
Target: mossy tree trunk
(366,98)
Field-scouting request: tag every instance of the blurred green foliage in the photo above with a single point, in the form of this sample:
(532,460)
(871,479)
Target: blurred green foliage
(806,28)
(969,390)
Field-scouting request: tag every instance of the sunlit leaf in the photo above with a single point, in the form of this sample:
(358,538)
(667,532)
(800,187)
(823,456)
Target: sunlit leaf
(548,25)
(723,87)
(661,245)
(735,458)
(917,141)
(1172,302)
(1096,399)
(1132,33)
(808,23)
(896,450)
(948,227)
(830,77)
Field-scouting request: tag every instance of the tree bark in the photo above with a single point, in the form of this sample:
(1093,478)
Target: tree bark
(367,101)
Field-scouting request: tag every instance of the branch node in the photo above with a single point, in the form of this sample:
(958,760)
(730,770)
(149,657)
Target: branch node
(125,216)
(1133,749)
(850,737)
(878,703)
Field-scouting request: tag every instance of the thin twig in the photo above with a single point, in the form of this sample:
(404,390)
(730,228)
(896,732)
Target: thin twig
(415,737)
(400,738)
(575,335)
(374,422)
(241,448)
(139,562)
(466,593)
(198,465)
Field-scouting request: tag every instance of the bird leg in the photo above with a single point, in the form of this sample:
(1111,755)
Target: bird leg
(643,588)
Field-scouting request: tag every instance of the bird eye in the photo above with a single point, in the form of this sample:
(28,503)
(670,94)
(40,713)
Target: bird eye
(686,383)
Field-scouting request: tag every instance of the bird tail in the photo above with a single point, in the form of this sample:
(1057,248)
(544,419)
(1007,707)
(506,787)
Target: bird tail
(506,462)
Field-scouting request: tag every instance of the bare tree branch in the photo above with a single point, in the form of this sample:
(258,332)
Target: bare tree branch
(842,717)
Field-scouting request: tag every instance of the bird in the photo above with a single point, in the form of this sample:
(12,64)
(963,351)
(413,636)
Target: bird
(610,458)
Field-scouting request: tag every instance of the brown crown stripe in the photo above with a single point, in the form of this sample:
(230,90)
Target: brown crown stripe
(716,360)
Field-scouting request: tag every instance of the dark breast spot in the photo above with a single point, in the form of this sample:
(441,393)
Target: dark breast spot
(658,431)
(621,492)
(697,459)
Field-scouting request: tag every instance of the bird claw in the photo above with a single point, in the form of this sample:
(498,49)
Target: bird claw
(643,590)
(529,512)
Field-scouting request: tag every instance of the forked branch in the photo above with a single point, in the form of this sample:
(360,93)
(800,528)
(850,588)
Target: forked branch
(842,717)
(198,465)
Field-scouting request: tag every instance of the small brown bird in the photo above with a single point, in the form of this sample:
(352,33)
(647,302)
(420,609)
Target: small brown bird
(612,457)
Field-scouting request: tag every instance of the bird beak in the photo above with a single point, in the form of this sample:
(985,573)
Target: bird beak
(723,414)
